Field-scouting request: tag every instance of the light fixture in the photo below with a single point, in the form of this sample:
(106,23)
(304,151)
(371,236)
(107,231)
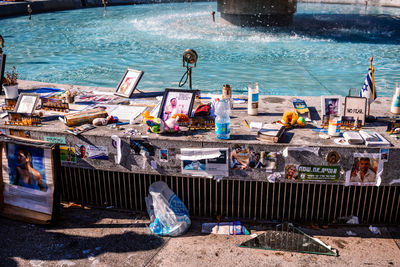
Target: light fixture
(189,60)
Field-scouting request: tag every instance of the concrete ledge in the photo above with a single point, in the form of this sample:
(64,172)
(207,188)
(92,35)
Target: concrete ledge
(385,3)
(271,109)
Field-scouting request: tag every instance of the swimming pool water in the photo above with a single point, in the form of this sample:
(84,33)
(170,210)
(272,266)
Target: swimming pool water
(326,50)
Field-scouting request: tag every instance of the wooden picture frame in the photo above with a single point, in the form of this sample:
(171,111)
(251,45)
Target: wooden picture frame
(27,103)
(2,67)
(128,82)
(19,192)
(331,105)
(356,107)
(183,103)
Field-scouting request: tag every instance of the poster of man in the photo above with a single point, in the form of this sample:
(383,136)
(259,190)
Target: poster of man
(330,105)
(240,157)
(263,160)
(91,152)
(365,169)
(26,167)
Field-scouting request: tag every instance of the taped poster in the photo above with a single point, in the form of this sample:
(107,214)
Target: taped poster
(384,154)
(67,154)
(91,152)
(312,172)
(366,170)
(313,150)
(28,177)
(243,158)
(163,155)
(204,161)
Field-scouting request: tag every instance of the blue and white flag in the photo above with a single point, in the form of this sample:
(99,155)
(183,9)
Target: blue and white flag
(368,89)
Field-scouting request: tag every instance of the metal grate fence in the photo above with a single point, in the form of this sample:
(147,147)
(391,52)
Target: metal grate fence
(297,202)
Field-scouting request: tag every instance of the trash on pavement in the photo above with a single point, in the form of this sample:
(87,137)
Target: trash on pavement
(168,214)
(225,228)
(374,230)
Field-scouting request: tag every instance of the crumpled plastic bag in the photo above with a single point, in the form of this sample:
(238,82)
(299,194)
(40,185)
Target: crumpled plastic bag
(167,212)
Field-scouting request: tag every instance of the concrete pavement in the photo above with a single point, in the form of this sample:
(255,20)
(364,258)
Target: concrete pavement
(106,237)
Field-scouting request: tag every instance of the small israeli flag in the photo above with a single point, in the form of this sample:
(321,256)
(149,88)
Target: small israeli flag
(368,89)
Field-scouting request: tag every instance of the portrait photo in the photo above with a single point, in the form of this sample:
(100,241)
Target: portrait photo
(26,167)
(365,169)
(176,101)
(291,172)
(333,157)
(128,83)
(331,105)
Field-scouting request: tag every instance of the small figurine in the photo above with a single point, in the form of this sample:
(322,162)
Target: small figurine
(291,118)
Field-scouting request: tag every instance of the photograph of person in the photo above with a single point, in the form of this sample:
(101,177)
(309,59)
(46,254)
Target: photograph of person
(196,165)
(172,108)
(176,101)
(126,85)
(384,154)
(80,151)
(330,105)
(291,172)
(333,157)
(239,157)
(256,161)
(364,170)
(26,167)
(67,154)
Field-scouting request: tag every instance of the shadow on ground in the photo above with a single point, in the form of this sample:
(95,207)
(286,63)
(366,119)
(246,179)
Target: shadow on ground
(83,234)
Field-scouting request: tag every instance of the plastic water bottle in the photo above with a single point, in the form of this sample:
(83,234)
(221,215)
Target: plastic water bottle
(222,119)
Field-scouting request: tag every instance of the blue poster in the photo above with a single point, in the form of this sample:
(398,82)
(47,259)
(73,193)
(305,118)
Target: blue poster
(26,167)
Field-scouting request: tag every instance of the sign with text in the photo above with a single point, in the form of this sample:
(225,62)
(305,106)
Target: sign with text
(55,140)
(356,107)
(312,172)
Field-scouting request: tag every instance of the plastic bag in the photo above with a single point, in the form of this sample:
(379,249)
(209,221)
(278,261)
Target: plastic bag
(167,212)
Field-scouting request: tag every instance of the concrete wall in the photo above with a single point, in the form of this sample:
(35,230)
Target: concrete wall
(391,3)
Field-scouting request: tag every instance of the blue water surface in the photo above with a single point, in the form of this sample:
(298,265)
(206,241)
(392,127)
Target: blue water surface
(326,50)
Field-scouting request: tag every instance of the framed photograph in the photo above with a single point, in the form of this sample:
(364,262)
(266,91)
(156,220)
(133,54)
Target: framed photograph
(331,105)
(27,103)
(366,169)
(176,101)
(2,66)
(356,107)
(129,82)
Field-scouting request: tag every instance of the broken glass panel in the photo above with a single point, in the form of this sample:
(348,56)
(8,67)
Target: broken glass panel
(286,237)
